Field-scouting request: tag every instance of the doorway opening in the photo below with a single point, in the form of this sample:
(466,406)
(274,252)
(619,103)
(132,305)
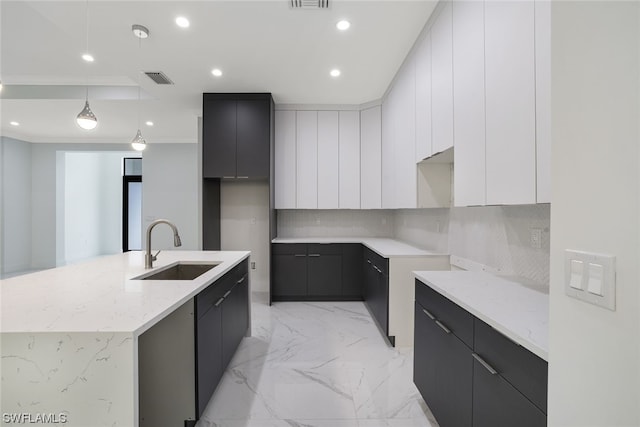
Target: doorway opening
(132,205)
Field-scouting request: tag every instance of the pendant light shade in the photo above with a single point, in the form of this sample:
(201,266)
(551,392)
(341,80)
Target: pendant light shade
(86,119)
(138,143)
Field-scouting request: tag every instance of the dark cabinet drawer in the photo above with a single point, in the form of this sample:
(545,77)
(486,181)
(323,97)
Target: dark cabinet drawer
(213,294)
(497,403)
(289,248)
(323,249)
(450,315)
(517,365)
(442,372)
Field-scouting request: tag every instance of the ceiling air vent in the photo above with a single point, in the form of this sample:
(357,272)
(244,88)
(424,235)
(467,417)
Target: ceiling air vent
(158,77)
(309,4)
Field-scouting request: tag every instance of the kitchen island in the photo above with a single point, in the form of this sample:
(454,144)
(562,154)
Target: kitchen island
(70,335)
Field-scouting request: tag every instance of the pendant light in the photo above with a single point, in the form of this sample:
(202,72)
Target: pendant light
(138,142)
(86,119)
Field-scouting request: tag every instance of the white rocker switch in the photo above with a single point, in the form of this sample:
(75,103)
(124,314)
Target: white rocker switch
(575,279)
(596,276)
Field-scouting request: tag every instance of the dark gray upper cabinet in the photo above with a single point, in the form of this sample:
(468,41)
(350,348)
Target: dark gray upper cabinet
(236,135)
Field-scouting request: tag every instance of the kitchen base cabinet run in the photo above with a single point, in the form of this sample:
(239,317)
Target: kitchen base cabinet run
(181,359)
(471,375)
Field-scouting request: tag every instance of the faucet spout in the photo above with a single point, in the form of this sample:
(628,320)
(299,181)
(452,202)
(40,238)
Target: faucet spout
(148,258)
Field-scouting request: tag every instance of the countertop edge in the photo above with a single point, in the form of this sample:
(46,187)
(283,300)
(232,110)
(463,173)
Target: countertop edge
(513,336)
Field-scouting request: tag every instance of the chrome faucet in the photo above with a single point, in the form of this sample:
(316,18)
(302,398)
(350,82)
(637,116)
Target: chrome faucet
(148,258)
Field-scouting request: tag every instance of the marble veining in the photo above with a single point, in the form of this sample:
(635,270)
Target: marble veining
(100,296)
(387,248)
(518,311)
(317,364)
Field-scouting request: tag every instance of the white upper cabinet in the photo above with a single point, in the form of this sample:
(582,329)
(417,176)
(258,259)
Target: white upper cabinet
(543,100)
(388,151)
(307,159)
(442,80)
(285,160)
(468,101)
(423,98)
(510,102)
(405,138)
(327,159)
(370,158)
(349,160)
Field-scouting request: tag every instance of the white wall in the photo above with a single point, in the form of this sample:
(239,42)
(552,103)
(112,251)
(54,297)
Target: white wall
(594,357)
(16,205)
(92,205)
(244,225)
(170,191)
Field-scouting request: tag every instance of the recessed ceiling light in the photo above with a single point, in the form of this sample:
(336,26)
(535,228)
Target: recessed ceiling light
(335,72)
(182,22)
(216,72)
(343,25)
(14,123)
(87,57)
(149,123)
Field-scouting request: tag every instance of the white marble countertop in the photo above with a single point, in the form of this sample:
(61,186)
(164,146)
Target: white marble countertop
(517,311)
(99,295)
(387,248)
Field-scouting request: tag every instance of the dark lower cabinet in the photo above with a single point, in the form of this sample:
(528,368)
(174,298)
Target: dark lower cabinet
(324,270)
(289,263)
(498,403)
(352,270)
(235,317)
(442,371)
(222,320)
(376,289)
(316,272)
(471,375)
(208,356)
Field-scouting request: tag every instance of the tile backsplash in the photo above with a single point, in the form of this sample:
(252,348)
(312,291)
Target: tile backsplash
(496,236)
(326,223)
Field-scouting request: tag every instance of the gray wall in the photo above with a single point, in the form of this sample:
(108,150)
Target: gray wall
(16,205)
(170,190)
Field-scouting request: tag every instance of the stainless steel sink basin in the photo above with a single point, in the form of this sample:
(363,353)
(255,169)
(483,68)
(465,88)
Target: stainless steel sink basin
(179,271)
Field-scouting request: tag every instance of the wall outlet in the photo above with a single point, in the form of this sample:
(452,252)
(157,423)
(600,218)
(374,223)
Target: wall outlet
(253,265)
(536,238)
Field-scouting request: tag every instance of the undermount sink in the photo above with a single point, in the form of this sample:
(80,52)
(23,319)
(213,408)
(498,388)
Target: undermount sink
(179,271)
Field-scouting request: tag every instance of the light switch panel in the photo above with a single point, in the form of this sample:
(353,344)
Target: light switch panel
(591,277)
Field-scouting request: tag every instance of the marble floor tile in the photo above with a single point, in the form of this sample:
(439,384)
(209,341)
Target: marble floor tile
(316,364)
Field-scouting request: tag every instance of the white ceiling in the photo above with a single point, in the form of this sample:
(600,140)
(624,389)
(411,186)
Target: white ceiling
(261,46)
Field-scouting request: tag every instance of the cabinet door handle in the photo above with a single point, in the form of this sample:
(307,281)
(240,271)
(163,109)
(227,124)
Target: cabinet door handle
(484,363)
(242,177)
(314,255)
(369,261)
(377,269)
(299,255)
(428,313)
(241,280)
(226,294)
(444,328)
(228,177)
(218,302)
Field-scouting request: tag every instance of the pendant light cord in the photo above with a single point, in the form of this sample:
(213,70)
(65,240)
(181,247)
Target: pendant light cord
(139,72)
(87,48)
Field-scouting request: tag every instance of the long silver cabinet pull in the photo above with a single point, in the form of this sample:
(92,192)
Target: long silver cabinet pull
(226,294)
(314,255)
(369,261)
(299,255)
(218,302)
(428,313)
(485,364)
(444,328)
(241,280)
(377,269)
